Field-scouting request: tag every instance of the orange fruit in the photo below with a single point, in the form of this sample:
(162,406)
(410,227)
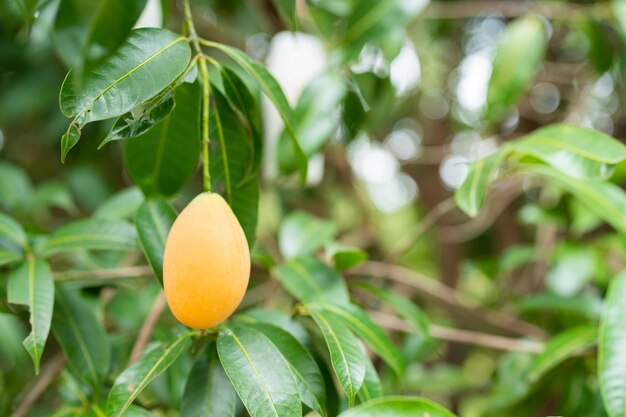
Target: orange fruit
(206,265)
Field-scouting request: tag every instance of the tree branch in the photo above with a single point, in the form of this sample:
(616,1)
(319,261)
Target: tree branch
(148,326)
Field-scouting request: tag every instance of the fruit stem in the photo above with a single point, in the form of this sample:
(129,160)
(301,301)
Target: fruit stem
(206,92)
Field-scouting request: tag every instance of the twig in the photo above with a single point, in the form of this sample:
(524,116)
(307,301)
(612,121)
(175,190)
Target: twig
(447,296)
(515,8)
(113,273)
(148,326)
(450,334)
(47,377)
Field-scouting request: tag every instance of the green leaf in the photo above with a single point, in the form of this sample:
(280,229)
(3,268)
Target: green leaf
(91,234)
(397,406)
(153,362)
(231,155)
(82,337)
(302,234)
(576,151)
(208,392)
(149,60)
(345,257)
(317,119)
(272,90)
(122,205)
(346,353)
(559,348)
(162,160)
(260,374)
(276,318)
(154,221)
(12,231)
(612,348)
(366,329)
(517,60)
(15,186)
(310,280)
(8,257)
(305,369)
(606,200)
(471,194)
(372,387)
(32,285)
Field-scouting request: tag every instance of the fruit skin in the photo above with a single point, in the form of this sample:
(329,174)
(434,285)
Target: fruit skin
(206,266)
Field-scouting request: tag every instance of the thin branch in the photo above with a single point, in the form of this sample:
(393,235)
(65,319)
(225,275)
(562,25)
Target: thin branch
(47,377)
(450,334)
(516,8)
(138,271)
(148,326)
(446,296)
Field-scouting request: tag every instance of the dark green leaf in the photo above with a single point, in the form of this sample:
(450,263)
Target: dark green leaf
(162,160)
(81,335)
(276,318)
(371,387)
(32,285)
(232,153)
(612,349)
(208,392)
(154,221)
(153,362)
(302,234)
(346,353)
(122,205)
(310,280)
(307,373)
(396,406)
(91,234)
(471,194)
(288,12)
(259,373)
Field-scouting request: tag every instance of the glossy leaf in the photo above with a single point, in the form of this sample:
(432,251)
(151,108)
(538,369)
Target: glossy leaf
(208,392)
(12,231)
(372,387)
(275,318)
(155,359)
(272,90)
(162,160)
(396,406)
(310,280)
(559,348)
(305,369)
(91,234)
(32,285)
(231,155)
(576,151)
(122,205)
(150,60)
(302,234)
(346,353)
(471,194)
(517,60)
(154,221)
(612,348)
(261,376)
(345,257)
(367,330)
(82,337)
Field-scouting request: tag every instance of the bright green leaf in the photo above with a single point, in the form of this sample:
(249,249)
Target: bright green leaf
(302,234)
(8,257)
(345,257)
(154,221)
(396,406)
(12,231)
(471,194)
(372,387)
(122,205)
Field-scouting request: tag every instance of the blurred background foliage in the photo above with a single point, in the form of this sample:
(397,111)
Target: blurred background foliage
(393,98)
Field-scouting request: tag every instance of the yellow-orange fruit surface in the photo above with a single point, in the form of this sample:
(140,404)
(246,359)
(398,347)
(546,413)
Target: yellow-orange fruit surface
(206,265)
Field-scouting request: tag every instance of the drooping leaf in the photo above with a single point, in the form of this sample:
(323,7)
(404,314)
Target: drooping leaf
(82,337)
(372,387)
(122,205)
(367,330)
(154,221)
(208,392)
(272,90)
(397,406)
(302,234)
(231,154)
(155,359)
(149,60)
(517,60)
(612,349)
(90,234)
(305,369)
(310,280)
(261,376)
(559,348)
(576,151)
(346,353)
(12,231)
(471,194)
(32,285)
